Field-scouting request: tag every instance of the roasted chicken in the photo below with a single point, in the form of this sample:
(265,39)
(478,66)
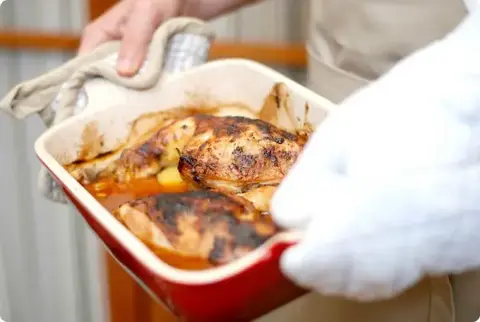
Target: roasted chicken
(232,164)
(208,224)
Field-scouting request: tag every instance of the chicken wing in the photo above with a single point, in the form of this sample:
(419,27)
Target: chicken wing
(89,170)
(159,151)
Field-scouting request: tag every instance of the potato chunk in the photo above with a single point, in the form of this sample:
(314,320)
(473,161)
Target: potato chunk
(169,177)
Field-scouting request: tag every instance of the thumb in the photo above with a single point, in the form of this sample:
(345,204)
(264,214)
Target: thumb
(145,18)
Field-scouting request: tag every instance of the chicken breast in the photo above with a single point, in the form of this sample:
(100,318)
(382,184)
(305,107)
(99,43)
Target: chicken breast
(235,154)
(207,224)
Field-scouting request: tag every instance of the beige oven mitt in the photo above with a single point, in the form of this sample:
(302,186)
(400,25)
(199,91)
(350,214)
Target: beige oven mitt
(178,44)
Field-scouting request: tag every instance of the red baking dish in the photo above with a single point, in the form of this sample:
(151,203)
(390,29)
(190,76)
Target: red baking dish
(239,291)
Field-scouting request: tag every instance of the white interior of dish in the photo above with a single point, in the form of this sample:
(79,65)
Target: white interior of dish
(218,82)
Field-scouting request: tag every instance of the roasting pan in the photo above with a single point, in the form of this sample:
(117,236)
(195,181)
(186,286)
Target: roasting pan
(239,291)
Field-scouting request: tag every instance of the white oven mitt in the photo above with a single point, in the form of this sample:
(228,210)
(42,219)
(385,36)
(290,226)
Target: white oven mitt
(388,189)
(178,44)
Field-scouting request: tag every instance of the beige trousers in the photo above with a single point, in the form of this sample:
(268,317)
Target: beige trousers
(351,43)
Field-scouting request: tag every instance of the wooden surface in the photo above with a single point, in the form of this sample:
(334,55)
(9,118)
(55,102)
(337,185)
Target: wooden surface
(121,292)
(291,55)
(97,7)
(34,40)
(128,301)
(288,55)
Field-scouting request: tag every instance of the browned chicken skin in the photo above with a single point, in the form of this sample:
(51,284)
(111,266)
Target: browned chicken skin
(162,149)
(228,153)
(208,224)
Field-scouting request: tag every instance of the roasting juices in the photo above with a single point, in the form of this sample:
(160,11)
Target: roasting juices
(187,228)
(112,194)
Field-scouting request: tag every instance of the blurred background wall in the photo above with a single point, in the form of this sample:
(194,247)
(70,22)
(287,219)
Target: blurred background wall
(51,265)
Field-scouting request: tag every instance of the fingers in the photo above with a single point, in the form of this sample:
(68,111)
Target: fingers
(133,21)
(106,27)
(142,23)
(91,39)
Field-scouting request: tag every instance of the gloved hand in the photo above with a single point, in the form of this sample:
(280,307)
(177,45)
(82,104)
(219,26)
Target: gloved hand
(388,188)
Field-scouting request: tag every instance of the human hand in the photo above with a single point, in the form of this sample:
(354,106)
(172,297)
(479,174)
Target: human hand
(133,22)
(387,189)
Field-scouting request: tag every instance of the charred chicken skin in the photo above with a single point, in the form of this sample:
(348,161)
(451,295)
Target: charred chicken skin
(209,224)
(232,154)
(160,150)
(237,154)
